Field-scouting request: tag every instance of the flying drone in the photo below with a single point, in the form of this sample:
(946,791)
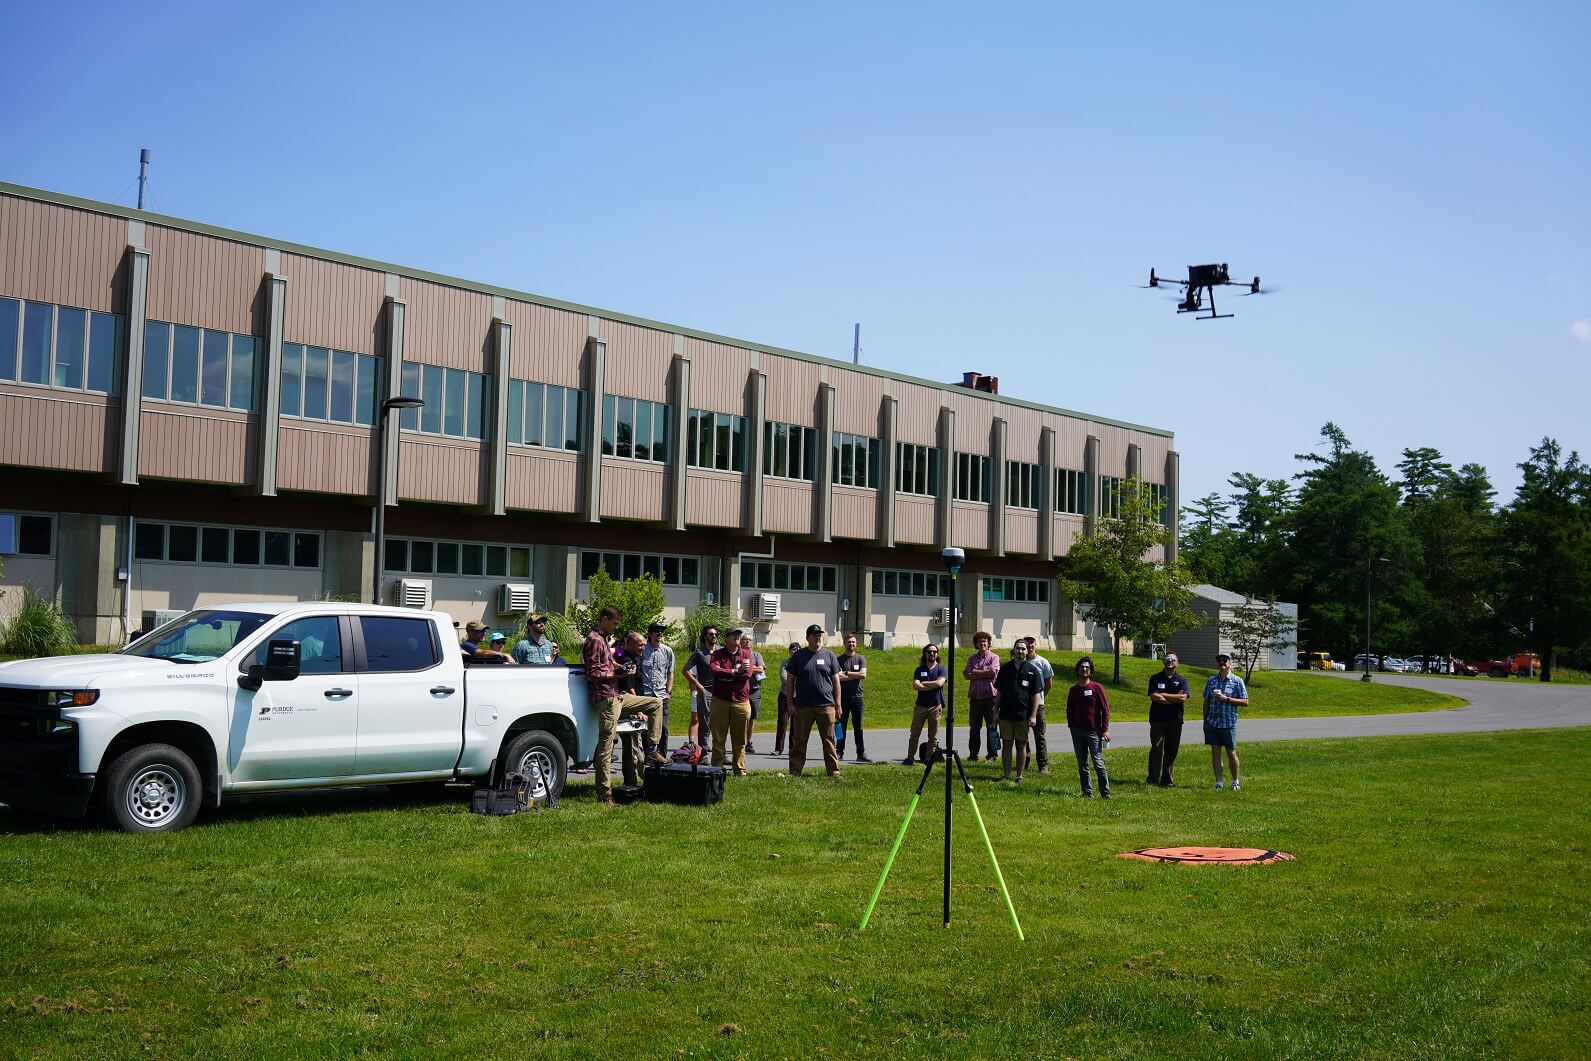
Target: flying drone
(1204,279)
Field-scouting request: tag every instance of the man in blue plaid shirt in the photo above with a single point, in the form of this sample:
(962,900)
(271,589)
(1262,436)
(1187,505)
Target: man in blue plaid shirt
(1224,693)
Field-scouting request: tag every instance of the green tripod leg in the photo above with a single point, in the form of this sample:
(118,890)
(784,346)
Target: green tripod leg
(900,836)
(989,847)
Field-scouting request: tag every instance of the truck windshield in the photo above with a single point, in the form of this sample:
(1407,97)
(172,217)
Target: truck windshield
(197,637)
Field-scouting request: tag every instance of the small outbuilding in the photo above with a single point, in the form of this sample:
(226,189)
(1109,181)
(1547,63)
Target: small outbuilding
(1216,606)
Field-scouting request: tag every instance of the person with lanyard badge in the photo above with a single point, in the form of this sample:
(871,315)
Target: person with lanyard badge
(981,669)
(1168,691)
(637,744)
(785,714)
(1088,717)
(853,672)
(536,648)
(699,675)
(602,683)
(1019,693)
(759,674)
(929,680)
(731,709)
(1224,693)
(809,683)
(656,677)
(1041,743)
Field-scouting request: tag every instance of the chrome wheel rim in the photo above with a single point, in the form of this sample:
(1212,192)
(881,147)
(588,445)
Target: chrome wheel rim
(543,764)
(155,796)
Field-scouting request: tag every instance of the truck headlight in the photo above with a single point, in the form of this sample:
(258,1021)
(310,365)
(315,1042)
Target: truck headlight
(70,697)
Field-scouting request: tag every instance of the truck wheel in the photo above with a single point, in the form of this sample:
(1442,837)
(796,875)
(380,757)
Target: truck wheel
(1496,672)
(154,788)
(546,751)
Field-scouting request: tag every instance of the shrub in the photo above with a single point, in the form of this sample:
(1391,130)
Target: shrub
(39,628)
(703,615)
(639,600)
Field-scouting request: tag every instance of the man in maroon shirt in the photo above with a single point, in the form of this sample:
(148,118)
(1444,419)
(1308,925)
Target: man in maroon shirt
(602,682)
(982,668)
(730,713)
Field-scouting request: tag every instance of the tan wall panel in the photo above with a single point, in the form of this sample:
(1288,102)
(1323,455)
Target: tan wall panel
(638,361)
(548,343)
(324,460)
(1155,448)
(633,490)
(187,586)
(446,325)
(202,280)
(857,398)
(1023,427)
(212,447)
(974,416)
(54,429)
(713,500)
(914,520)
(331,304)
(1021,531)
(1112,449)
(919,414)
(1008,621)
(35,571)
(445,472)
(969,526)
(718,376)
(787,507)
(543,480)
(1071,438)
(855,513)
(1067,530)
(792,390)
(55,254)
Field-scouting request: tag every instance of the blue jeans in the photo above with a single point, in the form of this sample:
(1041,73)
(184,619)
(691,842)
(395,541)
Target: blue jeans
(1086,744)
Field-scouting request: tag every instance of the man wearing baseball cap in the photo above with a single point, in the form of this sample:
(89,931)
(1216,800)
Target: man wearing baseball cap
(1168,691)
(809,685)
(475,646)
(536,648)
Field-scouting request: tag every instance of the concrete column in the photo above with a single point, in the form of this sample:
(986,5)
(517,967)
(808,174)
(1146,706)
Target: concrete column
(497,431)
(823,485)
(756,420)
(969,614)
(132,380)
(88,553)
(348,563)
(947,470)
(1091,484)
(1135,461)
(890,415)
(555,572)
(1002,486)
(596,368)
(396,309)
(1063,623)
(1047,494)
(678,460)
(1173,501)
(861,613)
(270,378)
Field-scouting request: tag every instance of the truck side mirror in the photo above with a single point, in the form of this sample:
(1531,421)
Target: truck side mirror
(281,665)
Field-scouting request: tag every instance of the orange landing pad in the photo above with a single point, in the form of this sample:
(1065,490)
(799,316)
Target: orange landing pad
(1227,856)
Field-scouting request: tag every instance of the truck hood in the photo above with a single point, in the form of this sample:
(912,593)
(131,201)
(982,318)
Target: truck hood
(83,672)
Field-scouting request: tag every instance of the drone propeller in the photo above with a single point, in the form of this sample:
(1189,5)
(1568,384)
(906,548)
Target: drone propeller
(1267,289)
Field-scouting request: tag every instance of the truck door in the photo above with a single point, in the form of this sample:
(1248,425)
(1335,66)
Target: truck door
(304,728)
(411,698)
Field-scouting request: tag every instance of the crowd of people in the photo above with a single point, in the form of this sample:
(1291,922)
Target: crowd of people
(633,678)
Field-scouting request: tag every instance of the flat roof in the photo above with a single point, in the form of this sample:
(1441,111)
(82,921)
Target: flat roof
(113,210)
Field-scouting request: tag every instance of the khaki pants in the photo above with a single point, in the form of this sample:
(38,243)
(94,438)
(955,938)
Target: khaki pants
(920,715)
(608,714)
(731,719)
(801,729)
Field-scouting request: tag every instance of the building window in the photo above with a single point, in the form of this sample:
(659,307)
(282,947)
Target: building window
(911,584)
(323,384)
(58,346)
(1162,499)
(1110,496)
(1023,482)
(197,366)
(972,478)
(715,440)
(187,543)
(26,534)
(426,556)
(455,400)
(856,460)
(1071,491)
(1022,590)
(669,570)
(540,414)
(634,428)
(793,578)
(789,451)
(916,469)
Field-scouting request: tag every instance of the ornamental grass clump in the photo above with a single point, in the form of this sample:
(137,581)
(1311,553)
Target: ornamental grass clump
(40,628)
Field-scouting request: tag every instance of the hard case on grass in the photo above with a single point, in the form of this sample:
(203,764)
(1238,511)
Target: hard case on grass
(689,783)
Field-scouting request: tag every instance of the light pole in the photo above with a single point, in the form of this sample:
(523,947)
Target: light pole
(1370,565)
(400,402)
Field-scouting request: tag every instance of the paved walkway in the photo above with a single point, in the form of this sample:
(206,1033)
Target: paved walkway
(1494,704)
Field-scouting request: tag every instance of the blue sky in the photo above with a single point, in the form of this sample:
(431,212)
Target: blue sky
(980,185)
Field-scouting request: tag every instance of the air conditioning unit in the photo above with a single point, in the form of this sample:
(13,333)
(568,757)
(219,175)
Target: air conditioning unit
(515,598)
(158,617)
(765,607)
(412,593)
(942,616)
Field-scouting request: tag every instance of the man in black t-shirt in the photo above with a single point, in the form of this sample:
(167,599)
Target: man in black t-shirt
(699,676)
(853,672)
(1168,691)
(809,683)
(1019,696)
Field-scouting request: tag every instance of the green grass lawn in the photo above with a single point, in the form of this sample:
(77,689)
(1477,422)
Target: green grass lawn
(1276,694)
(1437,909)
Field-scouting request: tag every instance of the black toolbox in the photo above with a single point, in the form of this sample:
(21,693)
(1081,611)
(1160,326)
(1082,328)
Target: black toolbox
(689,783)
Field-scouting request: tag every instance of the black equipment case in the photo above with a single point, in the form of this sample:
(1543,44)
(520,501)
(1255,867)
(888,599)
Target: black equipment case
(689,783)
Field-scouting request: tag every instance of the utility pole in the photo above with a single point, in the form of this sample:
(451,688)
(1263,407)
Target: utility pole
(143,174)
(856,345)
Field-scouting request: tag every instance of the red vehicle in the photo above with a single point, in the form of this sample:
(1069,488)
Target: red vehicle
(1519,663)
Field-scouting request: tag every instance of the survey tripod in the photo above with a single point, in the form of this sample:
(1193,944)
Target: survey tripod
(953,559)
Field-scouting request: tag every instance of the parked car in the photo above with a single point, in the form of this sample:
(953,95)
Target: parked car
(260,697)
(1317,661)
(1525,663)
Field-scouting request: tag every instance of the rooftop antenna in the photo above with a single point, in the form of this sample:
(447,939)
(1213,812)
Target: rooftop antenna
(856,345)
(143,174)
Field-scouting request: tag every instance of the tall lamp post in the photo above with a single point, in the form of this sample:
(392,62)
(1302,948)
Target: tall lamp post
(400,402)
(1370,565)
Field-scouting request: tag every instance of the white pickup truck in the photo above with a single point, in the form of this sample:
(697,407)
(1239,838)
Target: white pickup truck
(264,697)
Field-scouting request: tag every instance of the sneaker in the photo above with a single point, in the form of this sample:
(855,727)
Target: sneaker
(1219,786)
(749,749)
(657,759)
(1044,770)
(778,750)
(908,761)
(990,758)
(862,758)
(1236,786)
(607,800)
